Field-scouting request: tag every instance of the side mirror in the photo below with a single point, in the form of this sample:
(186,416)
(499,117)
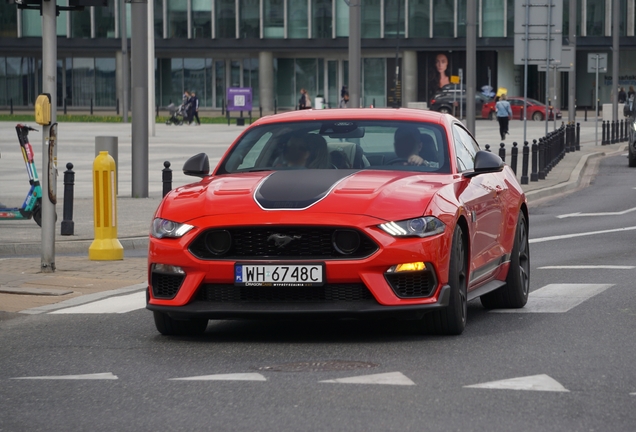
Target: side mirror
(197,166)
(486,162)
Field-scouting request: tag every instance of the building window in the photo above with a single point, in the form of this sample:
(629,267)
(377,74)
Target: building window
(419,18)
(394,13)
(249,20)
(18,74)
(322,19)
(306,77)
(175,90)
(333,95)
(375,81)
(105,69)
(83,81)
(371,18)
(201,19)
(194,78)
(297,19)
(225,19)
(105,21)
(273,19)
(219,82)
(461,17)
(177,11)
(444,18)
(342,19)
(285,82)
(3,81)
(206,99)
(250,79)
(492,18)
(8,21)
(158,18)
(595,25)
(81,23)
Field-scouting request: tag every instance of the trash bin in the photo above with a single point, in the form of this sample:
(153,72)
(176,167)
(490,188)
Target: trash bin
(319,102)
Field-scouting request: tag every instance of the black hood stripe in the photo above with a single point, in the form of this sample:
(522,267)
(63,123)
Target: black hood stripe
(297,189)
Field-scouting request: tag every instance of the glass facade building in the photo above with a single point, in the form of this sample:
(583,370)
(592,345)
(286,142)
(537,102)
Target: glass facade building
(209,45)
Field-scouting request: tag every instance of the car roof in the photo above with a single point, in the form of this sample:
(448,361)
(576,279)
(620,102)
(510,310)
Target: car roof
(392,114)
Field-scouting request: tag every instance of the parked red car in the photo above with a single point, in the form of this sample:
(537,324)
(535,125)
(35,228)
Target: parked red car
(536,109)
(354,212)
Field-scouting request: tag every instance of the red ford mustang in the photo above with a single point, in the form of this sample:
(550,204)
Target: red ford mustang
(345,213)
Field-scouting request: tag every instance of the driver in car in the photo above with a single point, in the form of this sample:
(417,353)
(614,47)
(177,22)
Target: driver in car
(408,144)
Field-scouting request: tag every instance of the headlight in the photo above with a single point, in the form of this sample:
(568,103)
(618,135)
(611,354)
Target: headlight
(165,228)
(420,227)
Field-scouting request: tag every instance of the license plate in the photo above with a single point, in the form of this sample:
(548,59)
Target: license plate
(279,275)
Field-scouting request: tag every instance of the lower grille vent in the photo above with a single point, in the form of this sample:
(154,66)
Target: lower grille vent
(220,293)
(412,284)
(166,286)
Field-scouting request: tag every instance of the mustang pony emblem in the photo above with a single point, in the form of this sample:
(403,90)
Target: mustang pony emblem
(282,240)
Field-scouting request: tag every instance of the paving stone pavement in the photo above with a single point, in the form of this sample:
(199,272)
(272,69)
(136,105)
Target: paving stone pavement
(24,286)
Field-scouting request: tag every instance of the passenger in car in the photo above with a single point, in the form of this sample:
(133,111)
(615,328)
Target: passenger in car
(318,152)
(408,145)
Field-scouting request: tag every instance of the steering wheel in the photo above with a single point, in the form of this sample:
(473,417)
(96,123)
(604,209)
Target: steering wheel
(398,160)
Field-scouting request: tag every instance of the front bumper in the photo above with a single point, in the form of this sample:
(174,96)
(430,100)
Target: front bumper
(367,308)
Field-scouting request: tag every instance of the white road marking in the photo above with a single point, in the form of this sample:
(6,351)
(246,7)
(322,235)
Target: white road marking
(567,236)
(533,383)
(633,394)
(557,298)
(97,376)
(224,377)
(579,214)
(118,304)
(587,267)
(390,378)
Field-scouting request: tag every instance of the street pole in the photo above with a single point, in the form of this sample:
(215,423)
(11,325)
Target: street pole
(525,70)
(615,50)
(471,63)
(48,182)
(572,73)
(596,102)
(547,65)
(354,53)
(151,68)
(125,62)
(139,15)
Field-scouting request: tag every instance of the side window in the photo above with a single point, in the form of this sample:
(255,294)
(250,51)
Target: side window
(465,149)
(249,161)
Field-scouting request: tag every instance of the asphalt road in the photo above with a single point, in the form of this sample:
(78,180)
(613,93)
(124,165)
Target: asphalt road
(578,349)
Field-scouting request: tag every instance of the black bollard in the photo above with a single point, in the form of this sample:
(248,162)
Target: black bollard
(275,106)
(223,107)
(91,106)
(541,152)
(116,106)
(487,147)
(534,176)
(577,142)
(64,105)
(11,106)
(260,111)
(525,159)
(603,132)
(502,151)
(157,111)
(166,178)
(514,154)
(585,113)
(68,226)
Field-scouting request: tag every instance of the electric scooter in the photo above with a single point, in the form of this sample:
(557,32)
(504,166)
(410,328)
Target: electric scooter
(32,205)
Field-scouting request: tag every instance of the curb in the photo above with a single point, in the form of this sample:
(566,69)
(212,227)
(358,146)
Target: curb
(68,247)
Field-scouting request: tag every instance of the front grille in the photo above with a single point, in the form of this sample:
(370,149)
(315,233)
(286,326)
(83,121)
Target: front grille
(412,284)
(258,243)
(165,286)
(226,293)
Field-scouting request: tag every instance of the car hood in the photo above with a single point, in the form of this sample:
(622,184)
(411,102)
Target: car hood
(387,195)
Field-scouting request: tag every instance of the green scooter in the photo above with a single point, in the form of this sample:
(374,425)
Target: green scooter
(32,205)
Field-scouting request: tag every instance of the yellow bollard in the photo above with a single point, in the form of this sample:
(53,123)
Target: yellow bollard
(105,247)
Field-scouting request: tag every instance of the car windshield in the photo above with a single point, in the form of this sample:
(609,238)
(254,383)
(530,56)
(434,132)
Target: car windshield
(341,144)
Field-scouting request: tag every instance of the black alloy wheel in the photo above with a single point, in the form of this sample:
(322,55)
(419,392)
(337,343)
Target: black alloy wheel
(452,319)
(514,294)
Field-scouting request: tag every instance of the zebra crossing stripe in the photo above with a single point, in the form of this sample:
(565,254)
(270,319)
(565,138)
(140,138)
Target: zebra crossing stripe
(558,298)
(97,376)
(224,377)
(390,378)
(118,304)
(533,383)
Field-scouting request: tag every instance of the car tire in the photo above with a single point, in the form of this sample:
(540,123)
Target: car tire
(631,157)
(537,116)
(452,319)
(445,110)
(514,294)
(171,327)
(492,115)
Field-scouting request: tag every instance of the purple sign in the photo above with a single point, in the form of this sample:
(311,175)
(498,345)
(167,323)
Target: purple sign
(239,99)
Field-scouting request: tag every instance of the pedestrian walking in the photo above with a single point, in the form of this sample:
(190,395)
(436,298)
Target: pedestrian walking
(344,102)
(305,101)
(622,96)
(631,92)
(195,108)
(504,114)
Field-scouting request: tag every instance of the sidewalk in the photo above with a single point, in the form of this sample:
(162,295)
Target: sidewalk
(23,286)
